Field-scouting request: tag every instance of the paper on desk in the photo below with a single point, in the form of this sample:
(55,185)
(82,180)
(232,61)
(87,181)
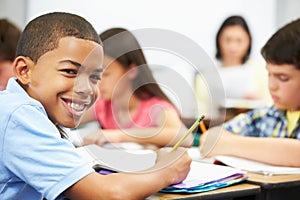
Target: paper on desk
(257,167)
(205,177)
(202,176)
(119,160)
(204,187)
(203,173)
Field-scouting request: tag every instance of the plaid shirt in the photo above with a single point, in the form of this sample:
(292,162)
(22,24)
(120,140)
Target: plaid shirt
(262,122)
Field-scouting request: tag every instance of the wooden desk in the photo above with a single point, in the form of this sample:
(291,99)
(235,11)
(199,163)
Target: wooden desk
(277,187)
(243,191)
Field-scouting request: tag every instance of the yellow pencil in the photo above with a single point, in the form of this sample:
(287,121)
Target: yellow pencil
(203,127)
(197,122)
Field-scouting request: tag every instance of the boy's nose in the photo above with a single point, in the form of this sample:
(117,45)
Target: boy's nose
(83,86)
(272,84)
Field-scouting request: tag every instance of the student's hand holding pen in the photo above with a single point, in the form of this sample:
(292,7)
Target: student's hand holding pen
(174,163)
(195,124)
(179,161)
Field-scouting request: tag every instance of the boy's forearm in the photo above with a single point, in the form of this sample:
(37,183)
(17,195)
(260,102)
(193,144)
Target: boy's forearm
(276,151)
(118,186)
(141,186)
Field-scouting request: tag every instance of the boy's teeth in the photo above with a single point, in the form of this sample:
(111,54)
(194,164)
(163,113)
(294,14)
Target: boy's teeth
(76,106)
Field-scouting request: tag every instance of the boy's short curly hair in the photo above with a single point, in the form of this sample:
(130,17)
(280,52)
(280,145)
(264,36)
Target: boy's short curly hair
(284,46)
(43,33)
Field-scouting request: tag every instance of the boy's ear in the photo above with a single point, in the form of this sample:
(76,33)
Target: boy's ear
(22,68)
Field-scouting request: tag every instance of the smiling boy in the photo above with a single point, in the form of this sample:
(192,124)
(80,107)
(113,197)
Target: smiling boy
(272,134)
(58,65)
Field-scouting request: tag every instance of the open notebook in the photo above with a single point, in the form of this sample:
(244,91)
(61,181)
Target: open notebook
(244,164)
(205,177)
(257,167)
(119,160)
(202,176)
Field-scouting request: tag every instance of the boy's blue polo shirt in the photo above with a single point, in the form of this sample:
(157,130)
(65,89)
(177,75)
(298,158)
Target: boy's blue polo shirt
(35,162)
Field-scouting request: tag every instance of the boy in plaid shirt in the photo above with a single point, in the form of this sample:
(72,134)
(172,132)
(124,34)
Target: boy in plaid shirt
(270,135)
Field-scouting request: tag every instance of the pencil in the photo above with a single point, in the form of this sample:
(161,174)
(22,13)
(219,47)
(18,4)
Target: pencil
(196,123)
(202,127)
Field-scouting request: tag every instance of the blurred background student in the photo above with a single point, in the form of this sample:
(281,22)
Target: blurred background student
(242,78)
(132,107)
(239,74)
(9,36)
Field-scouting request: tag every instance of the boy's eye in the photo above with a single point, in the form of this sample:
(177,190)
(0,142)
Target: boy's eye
(70,71)
(283,78)
(95,77)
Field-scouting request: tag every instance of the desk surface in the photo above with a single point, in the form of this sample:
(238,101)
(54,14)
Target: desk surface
(274,181)
(239,190)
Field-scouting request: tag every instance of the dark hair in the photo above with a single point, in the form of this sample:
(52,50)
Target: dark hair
(121,45)
(43,33)
(233,21)
(284,46)
(9,37)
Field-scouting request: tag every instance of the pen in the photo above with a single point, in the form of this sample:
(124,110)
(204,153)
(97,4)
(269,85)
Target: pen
(197,122)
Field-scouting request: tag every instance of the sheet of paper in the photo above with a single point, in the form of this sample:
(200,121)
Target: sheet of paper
(202,173)
(118,159)
(253,166)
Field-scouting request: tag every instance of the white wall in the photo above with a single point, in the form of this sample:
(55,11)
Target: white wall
(286,11)
(16,14)
(197,19)
(194,19)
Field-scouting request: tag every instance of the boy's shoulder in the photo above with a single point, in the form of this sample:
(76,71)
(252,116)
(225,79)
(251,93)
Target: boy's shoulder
(268,110)
(260,113)
(265,113)
(14,97)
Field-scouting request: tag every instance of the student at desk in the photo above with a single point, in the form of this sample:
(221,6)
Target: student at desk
(242,79)
(233,43)
(131,107)
(270,135)
(58,66)
(9,34)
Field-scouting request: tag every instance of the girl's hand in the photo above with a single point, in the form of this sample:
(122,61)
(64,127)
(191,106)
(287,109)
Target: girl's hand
(95,137)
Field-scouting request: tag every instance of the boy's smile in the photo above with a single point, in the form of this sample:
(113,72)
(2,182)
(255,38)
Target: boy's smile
(65,80)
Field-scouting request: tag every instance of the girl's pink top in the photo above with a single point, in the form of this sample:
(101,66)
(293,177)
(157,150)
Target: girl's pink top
(145,116)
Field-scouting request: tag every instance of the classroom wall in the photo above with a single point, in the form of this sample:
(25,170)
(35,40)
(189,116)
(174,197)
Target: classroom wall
(16,14)
(196,21)
(286,11)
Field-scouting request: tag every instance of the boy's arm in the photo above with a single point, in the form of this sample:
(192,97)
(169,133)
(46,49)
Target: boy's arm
(130,185)
(275,151)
